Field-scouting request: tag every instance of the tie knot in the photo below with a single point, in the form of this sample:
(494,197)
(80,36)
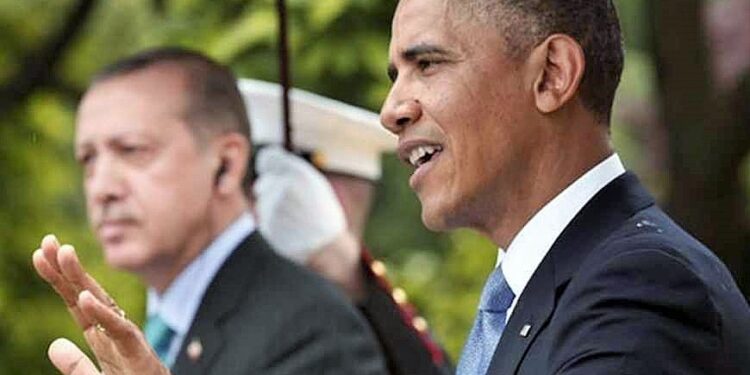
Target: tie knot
(496,295)
(158,334)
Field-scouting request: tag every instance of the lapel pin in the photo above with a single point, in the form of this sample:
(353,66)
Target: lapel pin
(195,349)
(525,330)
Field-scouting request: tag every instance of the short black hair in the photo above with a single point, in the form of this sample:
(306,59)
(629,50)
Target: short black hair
(215,103)
(594,24)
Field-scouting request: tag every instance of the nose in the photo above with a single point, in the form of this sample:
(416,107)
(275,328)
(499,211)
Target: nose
(399,111)
(104,182)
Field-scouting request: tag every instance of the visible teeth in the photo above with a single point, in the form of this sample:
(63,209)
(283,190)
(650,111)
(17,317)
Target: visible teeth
(420,152)
(414,158)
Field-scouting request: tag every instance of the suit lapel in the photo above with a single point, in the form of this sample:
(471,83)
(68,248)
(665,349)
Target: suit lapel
(205,339)
(532,311)
(602,215)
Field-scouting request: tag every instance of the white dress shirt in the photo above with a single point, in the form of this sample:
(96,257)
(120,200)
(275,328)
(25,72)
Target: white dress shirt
(179,303)
(534,240)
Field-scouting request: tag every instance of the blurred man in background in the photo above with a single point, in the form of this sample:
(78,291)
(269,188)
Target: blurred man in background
(163,141)
(314,211)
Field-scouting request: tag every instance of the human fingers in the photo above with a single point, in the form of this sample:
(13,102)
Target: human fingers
(133,354)
(54,278)
(69,359)
(49,247)
(125,335)
(73,272)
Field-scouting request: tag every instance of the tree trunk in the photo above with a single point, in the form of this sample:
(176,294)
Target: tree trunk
(708,136)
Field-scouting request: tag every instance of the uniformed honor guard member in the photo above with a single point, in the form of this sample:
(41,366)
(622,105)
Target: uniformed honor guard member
(314,211)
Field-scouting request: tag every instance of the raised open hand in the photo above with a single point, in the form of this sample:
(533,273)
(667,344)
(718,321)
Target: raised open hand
(118,344)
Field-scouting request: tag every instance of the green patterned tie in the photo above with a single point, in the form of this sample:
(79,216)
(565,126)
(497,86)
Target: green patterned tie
(159,335)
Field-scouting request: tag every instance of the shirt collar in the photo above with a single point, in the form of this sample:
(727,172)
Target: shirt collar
(534,240)
(179,303)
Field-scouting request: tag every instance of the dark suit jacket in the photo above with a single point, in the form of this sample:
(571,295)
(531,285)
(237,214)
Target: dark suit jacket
(624,290)
(264,315)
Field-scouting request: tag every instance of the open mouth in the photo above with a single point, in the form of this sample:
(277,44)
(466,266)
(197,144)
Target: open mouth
(423,154)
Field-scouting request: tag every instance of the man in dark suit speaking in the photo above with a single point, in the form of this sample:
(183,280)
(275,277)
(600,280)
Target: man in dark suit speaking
(503,108)
(162,138)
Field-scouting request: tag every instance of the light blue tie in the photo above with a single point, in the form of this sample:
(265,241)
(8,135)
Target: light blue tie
(488,326)
(159,335)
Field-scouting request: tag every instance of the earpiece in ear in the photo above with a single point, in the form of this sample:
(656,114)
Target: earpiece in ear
(220,172)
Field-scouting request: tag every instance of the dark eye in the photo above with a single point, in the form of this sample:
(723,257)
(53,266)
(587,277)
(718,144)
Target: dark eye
(128,149)
(428,63)
(392,73)
(84,158)
(138,153)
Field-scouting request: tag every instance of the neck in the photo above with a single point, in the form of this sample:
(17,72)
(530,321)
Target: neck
(563,160)
(217,219)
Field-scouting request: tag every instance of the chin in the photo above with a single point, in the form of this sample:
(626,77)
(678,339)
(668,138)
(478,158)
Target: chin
(442,215)
(124,257)
(435,219)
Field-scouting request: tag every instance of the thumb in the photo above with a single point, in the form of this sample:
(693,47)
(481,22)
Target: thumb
(69,359)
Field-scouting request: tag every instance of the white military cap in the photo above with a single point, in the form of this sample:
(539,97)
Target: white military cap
(340,137)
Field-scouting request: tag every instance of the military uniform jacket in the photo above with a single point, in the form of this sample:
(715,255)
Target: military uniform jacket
(262,314)
(403,335)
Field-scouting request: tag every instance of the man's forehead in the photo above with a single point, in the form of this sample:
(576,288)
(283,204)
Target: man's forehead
(86,137)
(410,8)
(124,107)
(93,131)
(421,22)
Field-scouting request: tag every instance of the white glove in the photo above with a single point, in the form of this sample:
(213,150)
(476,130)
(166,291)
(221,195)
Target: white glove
(297,207)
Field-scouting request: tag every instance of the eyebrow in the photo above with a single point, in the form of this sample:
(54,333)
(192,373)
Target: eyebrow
(413,53)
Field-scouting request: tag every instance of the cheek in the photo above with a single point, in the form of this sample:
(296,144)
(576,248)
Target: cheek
(90,206)
(169,201)
(88,194)
(178,196)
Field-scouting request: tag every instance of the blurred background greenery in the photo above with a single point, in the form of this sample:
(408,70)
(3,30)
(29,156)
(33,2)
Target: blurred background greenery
(682,122)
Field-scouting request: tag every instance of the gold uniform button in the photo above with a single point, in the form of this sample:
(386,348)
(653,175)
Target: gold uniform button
(420,324)
(399,295)
(378,268)
(319,160)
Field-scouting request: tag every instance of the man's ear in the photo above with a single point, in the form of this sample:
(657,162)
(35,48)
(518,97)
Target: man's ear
(233,151)
(560,63)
